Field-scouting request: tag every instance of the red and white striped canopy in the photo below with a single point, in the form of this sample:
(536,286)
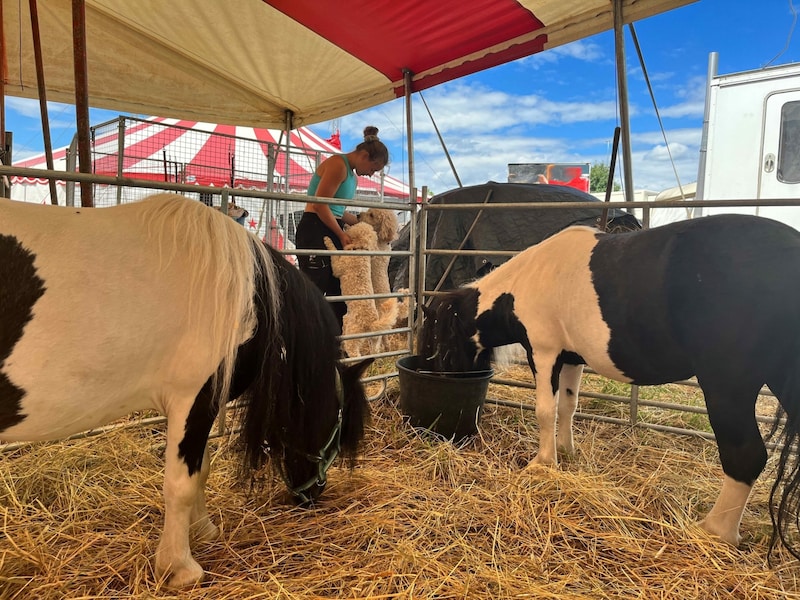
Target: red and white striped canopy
(162,149)
(255,62)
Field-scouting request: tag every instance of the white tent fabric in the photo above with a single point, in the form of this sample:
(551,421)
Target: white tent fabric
(163,149)
(255,62)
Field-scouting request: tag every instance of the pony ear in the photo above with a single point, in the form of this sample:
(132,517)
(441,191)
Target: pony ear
(356,370)
(427,311)
(356,407)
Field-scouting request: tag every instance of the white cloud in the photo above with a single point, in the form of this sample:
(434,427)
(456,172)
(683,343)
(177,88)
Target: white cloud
(23,106)
(485,130)
(581,50)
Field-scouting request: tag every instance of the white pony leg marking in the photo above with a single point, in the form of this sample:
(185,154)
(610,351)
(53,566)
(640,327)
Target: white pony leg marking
(203,529)
(181,503)
(568,388)
(724,518)
(546,415)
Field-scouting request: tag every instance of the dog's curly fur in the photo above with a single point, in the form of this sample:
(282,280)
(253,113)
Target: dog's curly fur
(398,341)
(354,273)
(384,222)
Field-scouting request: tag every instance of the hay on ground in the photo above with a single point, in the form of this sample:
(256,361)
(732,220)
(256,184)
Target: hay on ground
(417,518)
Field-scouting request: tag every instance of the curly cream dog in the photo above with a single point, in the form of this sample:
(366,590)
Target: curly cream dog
(354,273)
(384,222)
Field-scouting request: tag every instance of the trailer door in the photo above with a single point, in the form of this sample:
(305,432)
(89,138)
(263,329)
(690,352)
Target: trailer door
(780,165)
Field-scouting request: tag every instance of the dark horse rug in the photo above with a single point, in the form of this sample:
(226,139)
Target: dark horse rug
(496,229)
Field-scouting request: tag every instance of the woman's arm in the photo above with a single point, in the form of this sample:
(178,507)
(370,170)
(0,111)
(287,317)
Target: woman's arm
(332,172)
(326,216)
(349,218)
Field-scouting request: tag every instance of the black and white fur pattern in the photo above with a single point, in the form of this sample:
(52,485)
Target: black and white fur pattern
(169,305)
(717,298)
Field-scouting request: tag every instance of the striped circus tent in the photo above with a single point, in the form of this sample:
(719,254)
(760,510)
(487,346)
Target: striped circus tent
(174,150)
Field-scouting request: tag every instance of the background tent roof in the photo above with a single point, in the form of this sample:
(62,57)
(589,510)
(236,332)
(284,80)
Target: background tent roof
(250,61)
(206,154)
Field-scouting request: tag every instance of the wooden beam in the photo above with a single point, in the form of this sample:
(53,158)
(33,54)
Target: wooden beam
(82,96)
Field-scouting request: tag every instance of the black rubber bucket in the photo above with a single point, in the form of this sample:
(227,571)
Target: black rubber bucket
(449,404)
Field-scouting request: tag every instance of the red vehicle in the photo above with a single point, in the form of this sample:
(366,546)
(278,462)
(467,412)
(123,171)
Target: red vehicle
(574,175)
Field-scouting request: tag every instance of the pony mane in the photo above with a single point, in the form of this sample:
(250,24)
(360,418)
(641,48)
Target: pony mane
(224,257)
(449,328)
(296,374)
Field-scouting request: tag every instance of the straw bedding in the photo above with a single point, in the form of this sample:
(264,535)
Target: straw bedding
(417,518)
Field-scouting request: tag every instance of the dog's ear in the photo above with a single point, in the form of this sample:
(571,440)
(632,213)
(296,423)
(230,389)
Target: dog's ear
(388,226)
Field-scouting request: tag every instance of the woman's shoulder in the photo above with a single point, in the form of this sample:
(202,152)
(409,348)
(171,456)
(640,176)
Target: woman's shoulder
(335,163)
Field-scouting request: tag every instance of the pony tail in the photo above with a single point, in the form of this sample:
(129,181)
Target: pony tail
(784,497)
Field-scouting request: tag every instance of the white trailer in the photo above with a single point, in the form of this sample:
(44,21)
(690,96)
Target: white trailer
(751,140)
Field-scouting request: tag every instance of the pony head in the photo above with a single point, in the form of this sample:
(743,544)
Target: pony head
(304,409)
(448,340)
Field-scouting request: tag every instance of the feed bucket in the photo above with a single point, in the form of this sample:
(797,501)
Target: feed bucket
(449,404)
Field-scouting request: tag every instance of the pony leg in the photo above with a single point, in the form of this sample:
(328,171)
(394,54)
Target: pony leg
(186,470)
(724,518)
(568,388)
(546,399)
(202,529)
(731,411)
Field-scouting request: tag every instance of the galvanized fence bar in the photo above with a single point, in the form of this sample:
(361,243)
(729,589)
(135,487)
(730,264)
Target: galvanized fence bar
(416,254)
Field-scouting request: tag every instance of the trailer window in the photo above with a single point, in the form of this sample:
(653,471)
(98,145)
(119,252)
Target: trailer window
(789,148)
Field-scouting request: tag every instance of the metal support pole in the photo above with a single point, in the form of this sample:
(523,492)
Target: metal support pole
(4,187)
(72,153)
(700,192)
(407,75)
(120,155)
(37,54)
(82,96)
(622,86)
(418,273)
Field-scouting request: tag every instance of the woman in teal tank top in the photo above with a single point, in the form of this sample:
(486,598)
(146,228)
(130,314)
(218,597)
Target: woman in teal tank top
(335,178)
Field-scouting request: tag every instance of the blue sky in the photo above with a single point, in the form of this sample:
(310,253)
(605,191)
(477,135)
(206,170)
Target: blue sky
(556,106)
(561,105)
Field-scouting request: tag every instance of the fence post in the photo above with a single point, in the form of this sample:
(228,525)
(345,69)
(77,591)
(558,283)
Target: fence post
(120,154)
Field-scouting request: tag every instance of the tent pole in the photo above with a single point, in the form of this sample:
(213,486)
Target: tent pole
(622,86)
(120,154)
(5,190)
(273,205)
(82,96)
(288,129)
(37,54)
(407,74)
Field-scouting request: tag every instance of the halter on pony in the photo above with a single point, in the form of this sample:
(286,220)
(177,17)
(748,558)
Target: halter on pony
(324,458)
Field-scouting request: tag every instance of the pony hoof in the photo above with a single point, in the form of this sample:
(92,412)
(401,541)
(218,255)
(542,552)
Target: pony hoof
(568,454)
(539,461)
(183,574)
(187,577)
(730,538)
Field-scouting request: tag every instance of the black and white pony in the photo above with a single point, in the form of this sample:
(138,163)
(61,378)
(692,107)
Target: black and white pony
(716,297)
(166,304)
